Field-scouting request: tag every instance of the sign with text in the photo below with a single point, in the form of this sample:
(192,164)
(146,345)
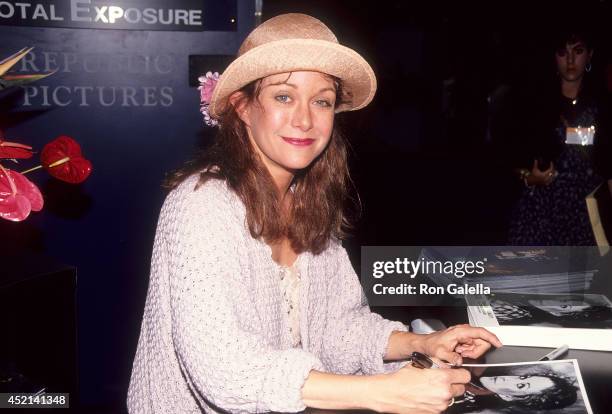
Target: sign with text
(178,15)
(124,96)
(101,79)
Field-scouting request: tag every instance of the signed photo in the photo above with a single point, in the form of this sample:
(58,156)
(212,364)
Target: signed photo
(526,387)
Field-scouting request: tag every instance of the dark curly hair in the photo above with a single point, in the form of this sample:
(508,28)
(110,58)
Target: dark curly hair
(561,394)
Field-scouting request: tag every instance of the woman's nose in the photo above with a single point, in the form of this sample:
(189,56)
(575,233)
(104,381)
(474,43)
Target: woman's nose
(302,118)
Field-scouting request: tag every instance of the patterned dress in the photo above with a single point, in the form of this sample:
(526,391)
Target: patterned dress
(556,214)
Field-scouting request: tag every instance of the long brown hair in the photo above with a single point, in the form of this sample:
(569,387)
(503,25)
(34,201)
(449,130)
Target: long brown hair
(322,192)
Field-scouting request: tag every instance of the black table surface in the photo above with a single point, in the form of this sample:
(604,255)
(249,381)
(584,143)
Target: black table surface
(595,366)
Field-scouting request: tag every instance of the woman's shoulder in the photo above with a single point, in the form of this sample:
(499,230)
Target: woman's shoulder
(212,198)
(193,187)
(334,251)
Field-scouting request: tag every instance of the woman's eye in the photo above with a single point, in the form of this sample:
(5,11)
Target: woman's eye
(522,385)
(324,103)
(282,98)
(579,51)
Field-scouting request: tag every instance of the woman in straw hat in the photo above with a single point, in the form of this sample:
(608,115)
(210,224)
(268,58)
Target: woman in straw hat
(253,305)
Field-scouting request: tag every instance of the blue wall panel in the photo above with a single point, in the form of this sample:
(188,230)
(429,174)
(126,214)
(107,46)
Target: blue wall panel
(124,95)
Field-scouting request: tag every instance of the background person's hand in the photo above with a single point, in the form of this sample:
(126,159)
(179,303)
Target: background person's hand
(539,177)
(459,341)
(414,390)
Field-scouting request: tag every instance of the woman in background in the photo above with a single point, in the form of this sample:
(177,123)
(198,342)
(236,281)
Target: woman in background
(564,141)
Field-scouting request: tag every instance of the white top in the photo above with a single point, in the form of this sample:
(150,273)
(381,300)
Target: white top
(214,336)
(290,288)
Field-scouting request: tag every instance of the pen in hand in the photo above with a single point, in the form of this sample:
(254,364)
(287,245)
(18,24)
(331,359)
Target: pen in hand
(420,360)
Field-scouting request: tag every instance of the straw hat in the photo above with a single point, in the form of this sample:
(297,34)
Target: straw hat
(296,42)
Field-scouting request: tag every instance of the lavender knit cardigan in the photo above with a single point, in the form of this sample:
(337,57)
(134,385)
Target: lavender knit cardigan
(214,337)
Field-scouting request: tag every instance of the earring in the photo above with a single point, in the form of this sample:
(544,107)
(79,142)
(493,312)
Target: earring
(588,67)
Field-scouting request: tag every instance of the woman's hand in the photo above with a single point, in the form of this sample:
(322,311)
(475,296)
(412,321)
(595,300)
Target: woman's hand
(458,341)
(540,178)
(413,390)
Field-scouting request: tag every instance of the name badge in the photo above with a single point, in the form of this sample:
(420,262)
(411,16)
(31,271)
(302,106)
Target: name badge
(580,136)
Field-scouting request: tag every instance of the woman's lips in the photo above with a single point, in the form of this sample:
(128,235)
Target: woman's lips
(300,142)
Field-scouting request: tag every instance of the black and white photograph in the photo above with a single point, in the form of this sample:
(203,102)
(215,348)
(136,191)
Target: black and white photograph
(556,310)
(581,321)
(526,387)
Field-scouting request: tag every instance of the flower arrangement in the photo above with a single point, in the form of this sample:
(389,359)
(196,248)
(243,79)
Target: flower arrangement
(206,88)
(61,158)
(8,80)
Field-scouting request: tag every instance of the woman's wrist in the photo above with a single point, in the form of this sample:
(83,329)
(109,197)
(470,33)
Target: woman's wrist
(340,392)
(377,385)
(403,344)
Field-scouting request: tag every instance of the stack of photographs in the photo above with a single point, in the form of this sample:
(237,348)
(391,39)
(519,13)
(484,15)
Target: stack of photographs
(524,387)
(582,321)
(537,269)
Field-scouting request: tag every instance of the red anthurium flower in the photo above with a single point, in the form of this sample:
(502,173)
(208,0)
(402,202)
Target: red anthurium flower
(62,158)
(14,150)
(18,196)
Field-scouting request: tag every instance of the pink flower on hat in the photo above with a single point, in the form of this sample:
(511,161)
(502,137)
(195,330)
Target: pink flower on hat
(206,88)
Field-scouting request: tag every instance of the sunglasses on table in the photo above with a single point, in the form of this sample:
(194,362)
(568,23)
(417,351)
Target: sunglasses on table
(422,361)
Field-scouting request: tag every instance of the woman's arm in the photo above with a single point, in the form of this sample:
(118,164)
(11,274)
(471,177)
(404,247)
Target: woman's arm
(535,176)
(406,390)
(340,392)
(357,339)
(449,345)
(402,344)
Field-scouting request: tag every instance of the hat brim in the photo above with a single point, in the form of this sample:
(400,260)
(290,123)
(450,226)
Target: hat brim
(290,55)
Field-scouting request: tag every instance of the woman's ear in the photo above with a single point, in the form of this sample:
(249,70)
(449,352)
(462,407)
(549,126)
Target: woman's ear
(239,102)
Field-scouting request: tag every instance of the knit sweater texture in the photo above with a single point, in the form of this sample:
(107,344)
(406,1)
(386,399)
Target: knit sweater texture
(214,337)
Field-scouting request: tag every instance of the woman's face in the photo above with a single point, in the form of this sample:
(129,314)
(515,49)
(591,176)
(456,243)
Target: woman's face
(514,387)
(560,307)
(572,60)
(290,123)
